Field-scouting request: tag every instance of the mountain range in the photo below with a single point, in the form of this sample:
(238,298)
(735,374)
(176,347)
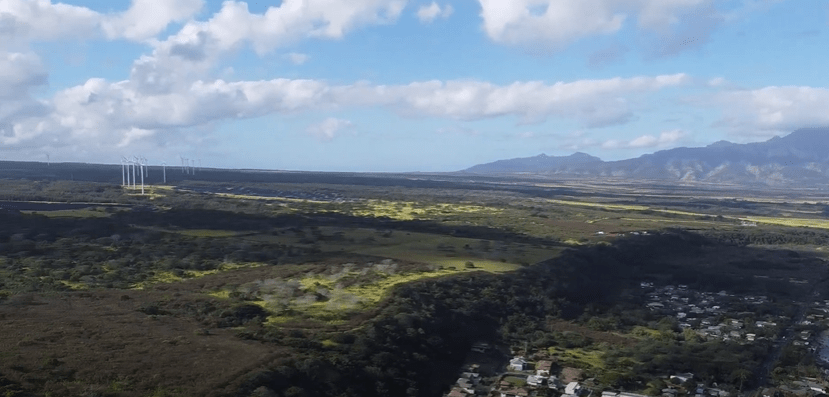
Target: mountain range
(799,159)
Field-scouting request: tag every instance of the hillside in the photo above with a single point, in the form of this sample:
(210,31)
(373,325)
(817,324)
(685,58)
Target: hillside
(800,159)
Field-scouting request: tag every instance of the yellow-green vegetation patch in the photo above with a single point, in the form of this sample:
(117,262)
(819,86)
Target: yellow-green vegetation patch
(793,222)
(330,297)
(625,207)
(515,381)
(160,277)
(579,357)
(409,210)
(74,285)
(329,343)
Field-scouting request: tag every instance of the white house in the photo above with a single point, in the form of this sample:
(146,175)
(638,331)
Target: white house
(518,364)
(535,380)
(572,388)
(682,378)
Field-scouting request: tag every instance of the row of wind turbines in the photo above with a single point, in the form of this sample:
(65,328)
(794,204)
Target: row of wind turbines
(129,164)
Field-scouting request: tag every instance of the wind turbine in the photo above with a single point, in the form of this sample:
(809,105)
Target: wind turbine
(48,160)
(143,169)
(193,166)
(126,168)
(123,174)
(164,170)
(133,172)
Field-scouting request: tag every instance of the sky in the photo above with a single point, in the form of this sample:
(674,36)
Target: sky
(402,85)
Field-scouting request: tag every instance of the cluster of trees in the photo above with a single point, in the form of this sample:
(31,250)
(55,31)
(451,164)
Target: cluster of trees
(427,327)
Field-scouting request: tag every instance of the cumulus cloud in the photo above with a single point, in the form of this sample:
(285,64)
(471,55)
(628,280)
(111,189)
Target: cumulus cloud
(594,102)
(771,110)
(121,108)
(147,18)
(22,21)
(427,14)
(297,58)
(670,26)
(234,25)
(664,139)
(190,54)
(554,22)
(328,128)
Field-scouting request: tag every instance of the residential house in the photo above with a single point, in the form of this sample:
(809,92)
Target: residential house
(466,385)
(682,378)
(609,394)
(626,394)
(472,376)
(518,364)
(668,392)
(542,368)
(515,393)
(573,388)
(553,382)
(535,380)
(456,392)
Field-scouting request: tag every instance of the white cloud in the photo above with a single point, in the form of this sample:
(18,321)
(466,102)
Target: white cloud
(558,23)
(110,114)
(297,58)
(593,102)
(328,128)
(671,25)
(22,21)
(147,18)
(234,25)
(770,110)
(189,55)
(428,14)
(664,139)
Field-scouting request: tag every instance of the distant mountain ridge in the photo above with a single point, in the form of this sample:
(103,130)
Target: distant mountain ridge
(800,158)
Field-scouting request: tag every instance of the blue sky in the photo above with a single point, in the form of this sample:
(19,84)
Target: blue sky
(402,85)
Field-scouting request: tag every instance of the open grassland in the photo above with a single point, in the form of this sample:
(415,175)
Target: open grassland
(332,297)
(166,277)
(792,222)
(409,210)
(79,213)
(626,207)
(578,357)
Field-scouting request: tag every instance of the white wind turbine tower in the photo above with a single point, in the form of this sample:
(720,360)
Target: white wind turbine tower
(133,172)
(123,173)
(143,169)
(126,163)
(164,170)
(193,166)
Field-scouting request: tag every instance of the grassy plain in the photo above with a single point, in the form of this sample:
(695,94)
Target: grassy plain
(163,335)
